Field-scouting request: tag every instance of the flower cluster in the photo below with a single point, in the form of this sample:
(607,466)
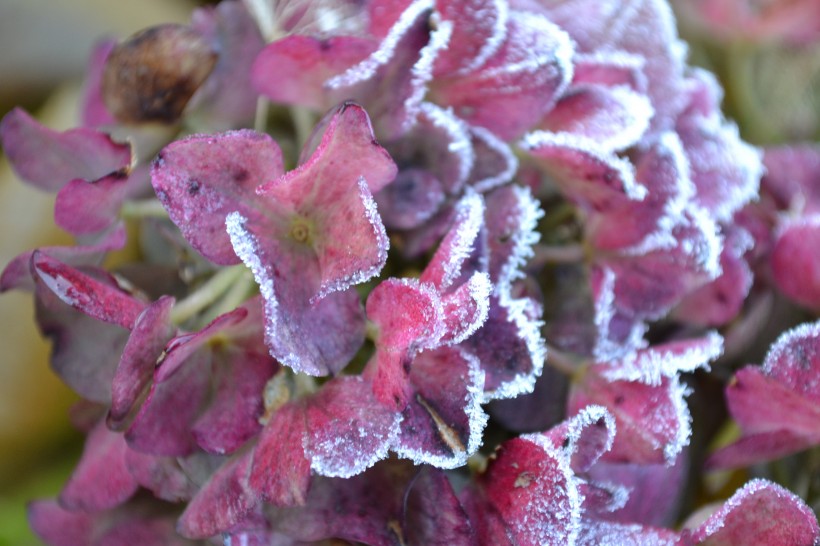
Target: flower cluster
(453,287)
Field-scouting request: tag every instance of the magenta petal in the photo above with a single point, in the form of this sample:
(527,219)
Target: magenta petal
(466,308)
(57,526)
(293,70)
(794,360)
(136,530)
(151,332)
(443,422)
(479,28)
(595,533)
(163,424)
(761,512)
(101,479)
(759,448)
(233,415)
(408,314)
(280,471)
(584,437)
(433,514)
(84,207)
(84,293)
(48,159)
(531,487)
(795,263)
(225,500)
(518,84)
(348,430)
(204,177)
(615,118)
(17,274)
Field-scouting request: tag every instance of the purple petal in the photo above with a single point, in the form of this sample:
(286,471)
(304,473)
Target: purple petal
(101,479)
(49,159)
(227,99)
(225,500)
(584,437)
(94,298)
(443,422)
(163,424)
(433,514)
(204,177)
(494,164)
(795,264)
(518,84)
(163,476)
(293,70)
(760,512)
(413,198)
(233,415)
(151,332)
(92,107)
(137,530)
(759,448)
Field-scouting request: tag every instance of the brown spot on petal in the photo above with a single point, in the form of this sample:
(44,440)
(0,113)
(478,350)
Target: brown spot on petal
(523,480)
(447,434)
(152,75)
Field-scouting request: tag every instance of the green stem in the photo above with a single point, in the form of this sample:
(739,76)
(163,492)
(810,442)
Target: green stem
(260,122)
(562,362)
(572,254)
(145,208)
(206,294)
(302,123)
(233,298)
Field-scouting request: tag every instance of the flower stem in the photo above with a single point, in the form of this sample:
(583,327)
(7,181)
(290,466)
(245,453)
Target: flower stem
(302,123)
(145,208)
(260,122)
(561,361)
(233,298)
(206,294)
(565,254)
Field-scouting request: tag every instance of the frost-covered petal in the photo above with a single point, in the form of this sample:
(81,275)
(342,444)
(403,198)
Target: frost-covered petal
(530,487)
(588,174)
(152,330)
(202,178)
(49,159)
(408,314)
(584,437)
(615,118)
(518,84)
(610,68)
(101,479)
(293,70)
(443,421)
(795,261)
(653,422)
(479,28)
(93,297)
(348,430)
(466,308)
(794,359)
(494,164)
(598,533)
(761,512)
(411,199)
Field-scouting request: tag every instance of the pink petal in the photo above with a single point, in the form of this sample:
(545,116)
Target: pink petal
(281,472)
(584,437)
(94,298)
(233,415)
(293,70)
(479,28)
(443,422)
(791,176)
(466,308)
(347,429)
(610,68)
(137,530)
(518,84)
(795,264)
(794,360)
(151,332)
(408,314)
(204,177)
(84,207)
(594,533)
(759,448)
(615,118)
(17,274)
(92,107)
(494,164)
(101,479)
(49,159)
(225,500)
(759,513)
(60,527)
